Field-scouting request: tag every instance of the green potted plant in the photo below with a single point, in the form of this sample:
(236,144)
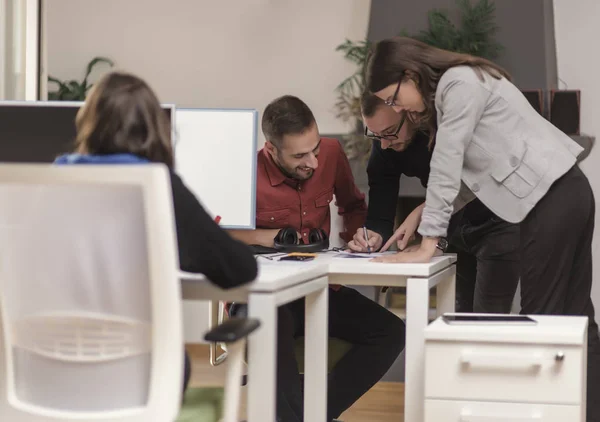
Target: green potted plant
(349,90)
(475,35)
(72,90)
(348,105)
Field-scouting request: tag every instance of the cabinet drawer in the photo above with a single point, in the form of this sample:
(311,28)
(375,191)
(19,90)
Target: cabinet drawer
(464,411)
(518,373)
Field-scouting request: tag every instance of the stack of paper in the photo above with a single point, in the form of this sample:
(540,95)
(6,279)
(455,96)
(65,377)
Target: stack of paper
(362,255)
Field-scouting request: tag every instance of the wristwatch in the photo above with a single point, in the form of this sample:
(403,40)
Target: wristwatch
(442,244)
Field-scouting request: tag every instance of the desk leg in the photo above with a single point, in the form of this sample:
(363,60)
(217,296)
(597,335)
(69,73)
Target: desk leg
(315,355)
(417,309)
(446,294)
(262,359)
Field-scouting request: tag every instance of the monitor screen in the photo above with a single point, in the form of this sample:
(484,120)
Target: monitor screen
(39,131)
(215,155)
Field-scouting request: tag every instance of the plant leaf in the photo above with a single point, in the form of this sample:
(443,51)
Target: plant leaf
(90,67)
(61,85)
(73,90)
(475,35)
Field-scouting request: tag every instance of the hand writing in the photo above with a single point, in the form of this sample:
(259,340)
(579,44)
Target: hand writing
(359,243)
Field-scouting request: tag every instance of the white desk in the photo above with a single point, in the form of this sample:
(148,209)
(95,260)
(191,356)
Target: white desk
(281,282)
(418,280)
(276,285)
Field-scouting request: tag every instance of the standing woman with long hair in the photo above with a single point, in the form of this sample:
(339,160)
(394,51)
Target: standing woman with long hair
(488,142)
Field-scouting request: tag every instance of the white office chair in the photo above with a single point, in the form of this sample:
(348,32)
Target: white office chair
(90,303)
(337,225)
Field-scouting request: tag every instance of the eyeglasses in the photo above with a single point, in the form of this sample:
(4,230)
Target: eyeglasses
(387,136)
(392,102)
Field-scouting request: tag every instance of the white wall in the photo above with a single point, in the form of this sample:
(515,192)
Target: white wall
(577,32)
(207,53)
(18,49)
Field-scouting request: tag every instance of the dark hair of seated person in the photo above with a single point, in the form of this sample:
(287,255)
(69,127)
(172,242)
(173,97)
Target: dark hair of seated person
(123,117)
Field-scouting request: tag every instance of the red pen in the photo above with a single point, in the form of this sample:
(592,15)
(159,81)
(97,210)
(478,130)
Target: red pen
(218,219)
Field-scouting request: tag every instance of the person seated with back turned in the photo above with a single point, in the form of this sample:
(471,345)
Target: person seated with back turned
(122,122)
(487,247)
(298,174)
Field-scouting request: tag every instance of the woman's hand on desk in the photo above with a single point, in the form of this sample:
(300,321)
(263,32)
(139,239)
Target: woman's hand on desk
(414,254)
(412,248)
(406,232)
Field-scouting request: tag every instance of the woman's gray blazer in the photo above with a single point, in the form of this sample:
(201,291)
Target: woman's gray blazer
(492,144)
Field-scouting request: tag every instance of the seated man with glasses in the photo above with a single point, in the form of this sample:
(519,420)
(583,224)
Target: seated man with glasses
(298,172)
(487,247)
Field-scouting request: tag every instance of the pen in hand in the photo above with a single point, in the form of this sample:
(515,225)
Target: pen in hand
(367,239)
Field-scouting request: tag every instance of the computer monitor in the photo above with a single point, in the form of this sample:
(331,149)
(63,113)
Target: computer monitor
(215,155)
(39,131)
(215,150)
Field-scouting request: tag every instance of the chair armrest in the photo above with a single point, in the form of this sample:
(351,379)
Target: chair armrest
(186,275)
(232,330)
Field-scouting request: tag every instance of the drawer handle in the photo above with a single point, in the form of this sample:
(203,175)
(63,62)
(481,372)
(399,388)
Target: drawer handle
(467,416)
(533,360)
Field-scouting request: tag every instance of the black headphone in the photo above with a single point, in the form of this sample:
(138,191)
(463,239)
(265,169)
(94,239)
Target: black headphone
(287,241)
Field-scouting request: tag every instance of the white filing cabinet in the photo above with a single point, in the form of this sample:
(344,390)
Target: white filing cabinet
(510,372)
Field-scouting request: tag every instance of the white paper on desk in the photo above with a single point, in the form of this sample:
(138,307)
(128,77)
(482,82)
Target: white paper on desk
(362,255)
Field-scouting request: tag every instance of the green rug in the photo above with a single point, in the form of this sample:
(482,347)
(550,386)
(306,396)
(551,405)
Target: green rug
(206,404)
(202,405)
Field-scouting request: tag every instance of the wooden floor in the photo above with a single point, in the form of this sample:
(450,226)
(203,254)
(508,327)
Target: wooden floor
(383,403)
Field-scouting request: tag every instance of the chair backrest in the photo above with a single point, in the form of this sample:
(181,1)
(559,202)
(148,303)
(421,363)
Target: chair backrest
(90,301)
(337,226)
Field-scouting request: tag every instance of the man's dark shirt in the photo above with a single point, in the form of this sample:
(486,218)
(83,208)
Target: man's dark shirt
(384,170)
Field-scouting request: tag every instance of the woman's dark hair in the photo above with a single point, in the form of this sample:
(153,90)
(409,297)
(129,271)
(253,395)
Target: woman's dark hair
(123,115)
(395,59)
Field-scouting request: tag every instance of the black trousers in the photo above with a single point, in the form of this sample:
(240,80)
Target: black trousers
(377,336)
(488,260)
(556,264)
